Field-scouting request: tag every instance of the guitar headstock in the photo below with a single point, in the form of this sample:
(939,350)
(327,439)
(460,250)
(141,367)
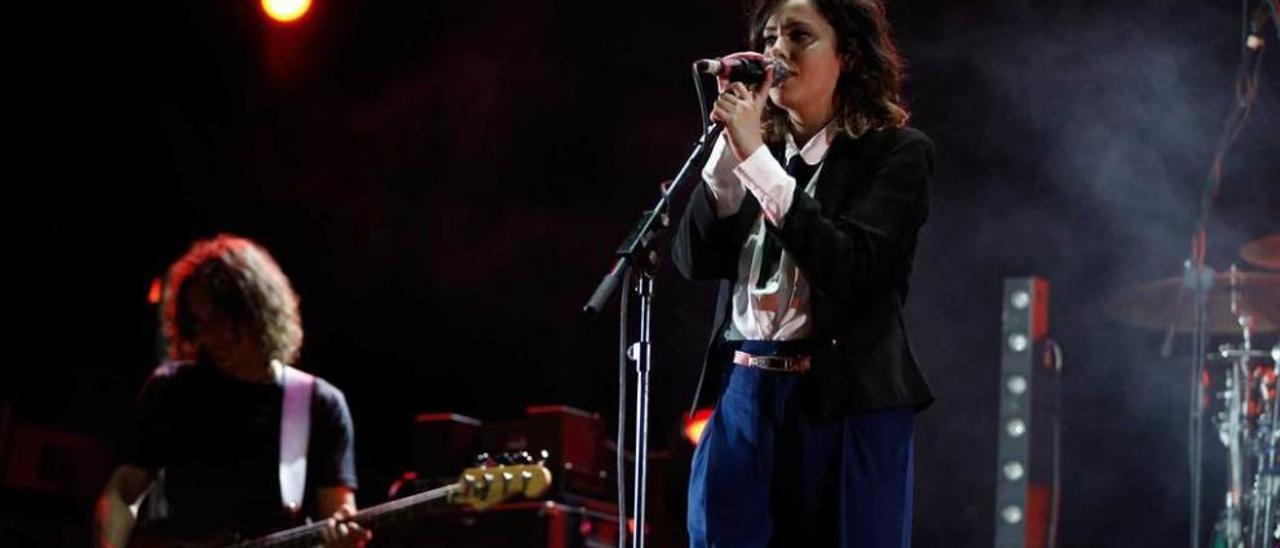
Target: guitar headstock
(495,480)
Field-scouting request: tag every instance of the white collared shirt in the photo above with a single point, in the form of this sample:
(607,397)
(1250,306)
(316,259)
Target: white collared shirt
(777,310)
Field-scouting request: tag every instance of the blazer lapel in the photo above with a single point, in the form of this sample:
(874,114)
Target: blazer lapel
(837,174)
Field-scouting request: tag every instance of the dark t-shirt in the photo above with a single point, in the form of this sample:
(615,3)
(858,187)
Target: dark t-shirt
(218,441)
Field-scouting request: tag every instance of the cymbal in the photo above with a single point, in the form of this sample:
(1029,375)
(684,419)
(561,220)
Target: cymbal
(1264,252)
(1152,304)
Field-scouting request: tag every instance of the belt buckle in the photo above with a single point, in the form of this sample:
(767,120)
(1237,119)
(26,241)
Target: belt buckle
(767,362)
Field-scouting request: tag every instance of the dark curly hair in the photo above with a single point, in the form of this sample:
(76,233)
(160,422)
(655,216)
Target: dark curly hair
(245,283)
(868,95)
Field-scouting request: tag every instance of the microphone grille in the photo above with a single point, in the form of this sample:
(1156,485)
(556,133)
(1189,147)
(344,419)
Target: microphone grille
(780,71)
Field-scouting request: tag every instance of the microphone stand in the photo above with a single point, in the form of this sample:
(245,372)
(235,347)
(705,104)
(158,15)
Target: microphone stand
(1198,278)
(636,254)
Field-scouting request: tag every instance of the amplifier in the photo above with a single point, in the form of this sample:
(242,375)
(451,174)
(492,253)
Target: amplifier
(513,525)
(54,463)
(574,440)
(443,444)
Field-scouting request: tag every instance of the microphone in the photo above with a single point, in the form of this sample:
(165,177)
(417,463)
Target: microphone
(747,71)
(1257,20)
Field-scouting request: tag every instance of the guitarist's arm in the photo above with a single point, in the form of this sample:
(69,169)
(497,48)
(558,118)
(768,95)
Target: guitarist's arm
(333,467)
(339,503)
(117,508)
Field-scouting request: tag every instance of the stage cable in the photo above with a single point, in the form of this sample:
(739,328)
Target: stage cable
(702,98)
(620,462)
(1245,91)
(1055,510)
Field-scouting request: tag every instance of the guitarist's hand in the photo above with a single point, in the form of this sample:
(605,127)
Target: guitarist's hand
(340,532)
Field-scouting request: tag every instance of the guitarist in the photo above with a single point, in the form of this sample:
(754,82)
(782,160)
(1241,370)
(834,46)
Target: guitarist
(211,418)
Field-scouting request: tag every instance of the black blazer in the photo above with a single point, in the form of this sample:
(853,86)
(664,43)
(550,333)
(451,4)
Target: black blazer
(854,241)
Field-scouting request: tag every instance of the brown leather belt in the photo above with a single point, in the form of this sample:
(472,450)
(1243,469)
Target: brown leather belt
(786,364)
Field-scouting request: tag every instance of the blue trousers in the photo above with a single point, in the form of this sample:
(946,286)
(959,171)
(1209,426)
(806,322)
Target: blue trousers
(765,475)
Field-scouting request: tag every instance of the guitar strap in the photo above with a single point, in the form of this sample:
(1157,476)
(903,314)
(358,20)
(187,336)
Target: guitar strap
(295,433)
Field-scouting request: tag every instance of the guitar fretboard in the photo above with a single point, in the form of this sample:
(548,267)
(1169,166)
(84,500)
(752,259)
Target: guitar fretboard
(312,534)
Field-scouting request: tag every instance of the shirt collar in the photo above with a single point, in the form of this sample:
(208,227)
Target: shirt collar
(816,149)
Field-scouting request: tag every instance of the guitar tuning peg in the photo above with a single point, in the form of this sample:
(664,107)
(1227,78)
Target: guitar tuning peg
(543,455)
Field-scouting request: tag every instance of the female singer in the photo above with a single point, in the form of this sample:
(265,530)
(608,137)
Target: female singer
(811,440)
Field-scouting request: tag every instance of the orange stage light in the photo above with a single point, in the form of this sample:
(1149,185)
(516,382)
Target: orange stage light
(153,296)
(693,426)
(285,11)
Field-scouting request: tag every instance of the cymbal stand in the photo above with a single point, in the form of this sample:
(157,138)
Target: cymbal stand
(1262,438)
(1269,456)
(1236,412)
(1235,432)
(1197,279)
(1267,470)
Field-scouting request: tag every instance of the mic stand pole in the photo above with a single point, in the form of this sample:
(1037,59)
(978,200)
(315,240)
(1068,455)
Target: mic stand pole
(637,254)
(1201,277)
(1200,291)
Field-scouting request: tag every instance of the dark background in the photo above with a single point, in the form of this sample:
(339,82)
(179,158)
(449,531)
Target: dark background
(444,183)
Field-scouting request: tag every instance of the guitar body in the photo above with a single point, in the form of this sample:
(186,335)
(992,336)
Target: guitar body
(166,533)
(157,537)
(478,488)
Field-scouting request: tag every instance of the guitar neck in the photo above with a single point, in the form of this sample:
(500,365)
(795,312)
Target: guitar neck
(479,487)
(313,534)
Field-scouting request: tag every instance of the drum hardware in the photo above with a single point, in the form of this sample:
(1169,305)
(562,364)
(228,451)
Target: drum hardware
(1264,252)
(1229,296)
(1239,305)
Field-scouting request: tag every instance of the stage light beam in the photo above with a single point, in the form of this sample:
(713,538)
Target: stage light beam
(154,294)
(285,11)
(693,426)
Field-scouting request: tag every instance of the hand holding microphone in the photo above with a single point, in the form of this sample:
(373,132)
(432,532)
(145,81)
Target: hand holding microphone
(746,67)
(738,107)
